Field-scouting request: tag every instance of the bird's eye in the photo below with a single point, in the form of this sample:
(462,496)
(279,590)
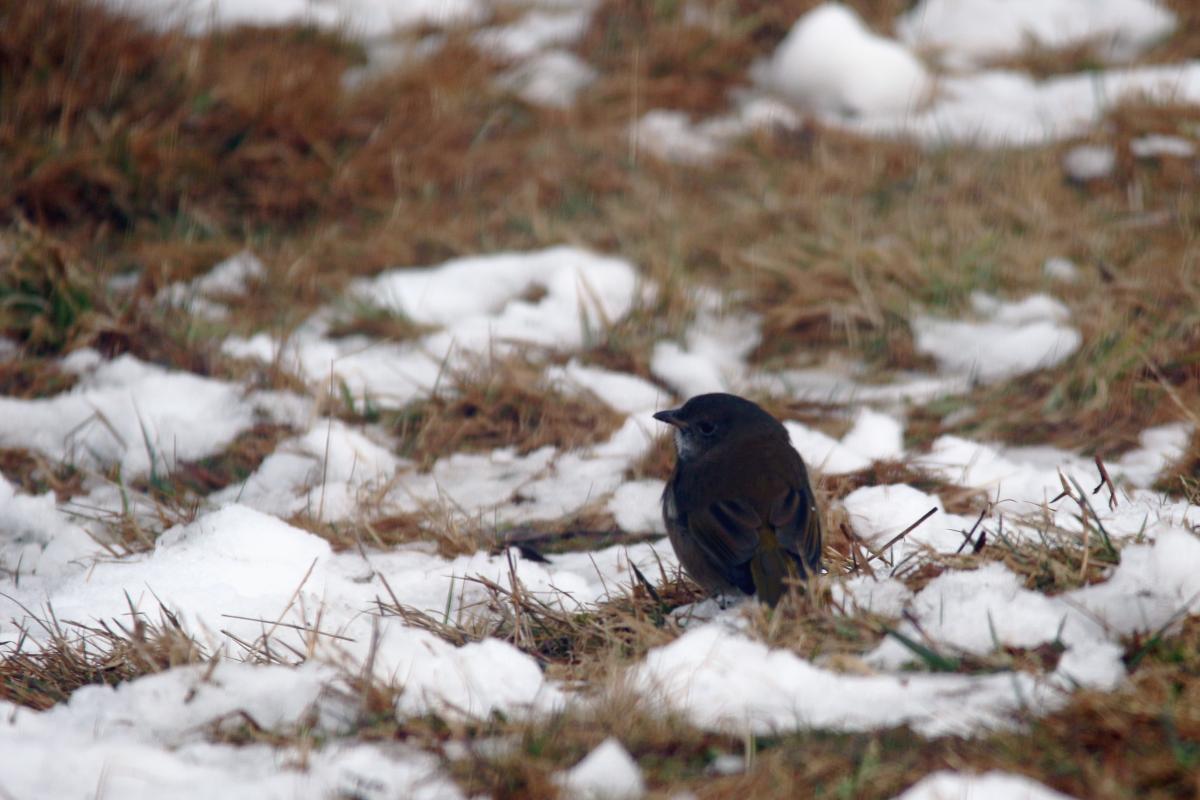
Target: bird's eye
(706,428)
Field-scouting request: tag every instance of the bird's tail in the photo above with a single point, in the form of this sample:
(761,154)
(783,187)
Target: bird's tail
(772,568)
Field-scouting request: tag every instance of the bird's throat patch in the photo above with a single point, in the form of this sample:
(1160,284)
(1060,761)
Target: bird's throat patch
(685,448)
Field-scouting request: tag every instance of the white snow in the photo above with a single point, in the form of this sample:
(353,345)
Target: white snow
(873,437)
(240,573)
(1011,338)
(1089,162)
(1151,585)
(582,294)
(472,681)
(386,55)
(505,487)
(170,706)
(672,135)
(886,597)
(365,18)
(1061,269)
(231,561)
(1157,449)
(581,290)
(1159,146)
(241,576)
(146,738)
(202,295)
(626,393)
(606,773)
(840,383)
(39,538)
(635,506)
(966,32)
(973,611)
(830,62)
(130,414)
(550,79)
(946,785)
(723,680)
(1001,473)
(1001,108)
(536,30)
(713,353)
(879,513)
(231,276)
(977,611)
(324,473)
(1031,474)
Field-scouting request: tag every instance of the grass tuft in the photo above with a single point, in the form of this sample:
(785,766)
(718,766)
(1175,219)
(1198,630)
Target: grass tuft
(506,404)
(43,671)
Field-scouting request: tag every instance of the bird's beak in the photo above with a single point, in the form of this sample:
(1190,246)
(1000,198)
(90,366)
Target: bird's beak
(671,417)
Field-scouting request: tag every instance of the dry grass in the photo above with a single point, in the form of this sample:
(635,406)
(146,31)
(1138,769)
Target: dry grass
(581,644)
(235,464)
(44,670)
(112,126)
(31,378)
(503,404)
(449,533)
(35,475)
(589,528)
(658,461)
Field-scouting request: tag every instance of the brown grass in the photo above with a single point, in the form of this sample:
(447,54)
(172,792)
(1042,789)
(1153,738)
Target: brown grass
(70,655)
(504,404)
(579,645)
(33,474)
(236,463)
(448,532)
(112,124)
(32,378)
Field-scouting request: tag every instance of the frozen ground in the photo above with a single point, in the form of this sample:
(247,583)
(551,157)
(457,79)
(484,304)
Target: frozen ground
(239,571)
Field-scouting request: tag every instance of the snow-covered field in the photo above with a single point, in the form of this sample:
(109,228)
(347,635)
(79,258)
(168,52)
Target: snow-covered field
(298,624)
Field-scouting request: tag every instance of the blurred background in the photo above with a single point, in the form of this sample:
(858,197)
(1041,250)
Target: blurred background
(883,161)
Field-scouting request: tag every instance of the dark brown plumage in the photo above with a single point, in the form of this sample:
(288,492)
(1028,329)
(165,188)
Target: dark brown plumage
(739,508)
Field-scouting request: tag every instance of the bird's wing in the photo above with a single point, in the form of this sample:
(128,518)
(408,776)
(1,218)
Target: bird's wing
(727,533)
(797,525)
(740,543)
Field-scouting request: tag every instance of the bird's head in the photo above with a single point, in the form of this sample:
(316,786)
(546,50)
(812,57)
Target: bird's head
(708,421)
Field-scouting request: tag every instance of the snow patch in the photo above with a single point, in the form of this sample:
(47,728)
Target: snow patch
(606,773)
(1011,338)
(125,412)
(560,298)
(364,18)
(550,79)
(988,786)
(831,62)
(967,32)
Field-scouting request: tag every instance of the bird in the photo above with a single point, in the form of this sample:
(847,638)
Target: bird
(739,508)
